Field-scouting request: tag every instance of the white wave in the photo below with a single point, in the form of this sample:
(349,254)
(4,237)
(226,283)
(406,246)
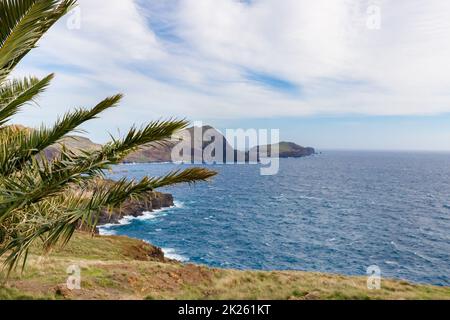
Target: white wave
(126,220)
(106,229)
(148,215)
(171,254)
(394,245)
(178,204)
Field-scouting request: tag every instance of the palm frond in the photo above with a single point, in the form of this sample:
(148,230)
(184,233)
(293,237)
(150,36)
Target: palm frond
(23,23)
(42,179)
(17,93)
(189,176)
(17,149)
(155,132)
(45,137)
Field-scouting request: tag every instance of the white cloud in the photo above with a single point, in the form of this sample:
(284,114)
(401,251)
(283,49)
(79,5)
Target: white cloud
(321,46)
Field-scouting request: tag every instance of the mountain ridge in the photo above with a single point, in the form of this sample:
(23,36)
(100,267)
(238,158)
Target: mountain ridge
(196,147)
(155,154)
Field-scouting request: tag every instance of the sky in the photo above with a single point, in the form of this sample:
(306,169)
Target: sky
(342,74)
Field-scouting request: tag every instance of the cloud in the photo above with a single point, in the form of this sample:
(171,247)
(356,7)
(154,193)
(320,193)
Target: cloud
(215,59)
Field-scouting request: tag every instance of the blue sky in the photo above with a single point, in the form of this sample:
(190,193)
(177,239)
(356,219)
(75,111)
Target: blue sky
(393,133)
(344,74)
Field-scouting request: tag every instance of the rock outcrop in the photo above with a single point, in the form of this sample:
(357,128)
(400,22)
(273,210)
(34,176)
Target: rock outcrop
(286,150)
(73,143)
(136,208)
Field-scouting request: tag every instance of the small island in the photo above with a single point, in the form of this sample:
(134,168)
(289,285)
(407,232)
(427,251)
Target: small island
(288,150)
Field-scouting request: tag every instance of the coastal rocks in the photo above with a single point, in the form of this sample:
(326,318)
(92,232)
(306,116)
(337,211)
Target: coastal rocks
(136,208)
(145,252)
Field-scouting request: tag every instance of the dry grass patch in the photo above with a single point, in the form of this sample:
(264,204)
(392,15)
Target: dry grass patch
(123,268)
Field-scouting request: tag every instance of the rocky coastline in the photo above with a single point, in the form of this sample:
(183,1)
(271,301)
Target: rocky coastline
(136,208)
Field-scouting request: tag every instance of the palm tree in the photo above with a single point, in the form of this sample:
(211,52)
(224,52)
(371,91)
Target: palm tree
(44,201)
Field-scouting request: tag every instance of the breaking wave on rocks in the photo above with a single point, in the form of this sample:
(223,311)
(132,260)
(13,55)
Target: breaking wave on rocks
(171,253)
(111,229)
(108,229)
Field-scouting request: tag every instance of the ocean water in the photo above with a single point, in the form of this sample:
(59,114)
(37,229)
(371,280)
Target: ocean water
(337,212)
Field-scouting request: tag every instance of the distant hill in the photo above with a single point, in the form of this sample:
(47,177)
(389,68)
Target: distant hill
(73,143)
(163,153)
(287,150)
(193,144)
(151,154)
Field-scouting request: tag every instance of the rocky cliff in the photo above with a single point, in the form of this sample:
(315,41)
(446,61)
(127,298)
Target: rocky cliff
(136,208)
(73,143)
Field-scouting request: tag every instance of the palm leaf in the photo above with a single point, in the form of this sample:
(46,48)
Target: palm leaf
(16,149)
(22,24)
(17,93)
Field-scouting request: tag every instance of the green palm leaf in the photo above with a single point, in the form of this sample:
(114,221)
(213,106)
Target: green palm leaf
(17,93)
(23,23)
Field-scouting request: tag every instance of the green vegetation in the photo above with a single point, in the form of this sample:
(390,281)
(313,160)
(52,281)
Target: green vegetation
(287,150)
(45,200)
(121,268)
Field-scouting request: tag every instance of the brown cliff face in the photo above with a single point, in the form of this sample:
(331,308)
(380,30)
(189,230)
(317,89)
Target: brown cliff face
(160,153)
(73,143)
(192,138)
(133,207)
(136,208)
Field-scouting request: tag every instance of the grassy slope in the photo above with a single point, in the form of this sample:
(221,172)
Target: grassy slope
(120,268)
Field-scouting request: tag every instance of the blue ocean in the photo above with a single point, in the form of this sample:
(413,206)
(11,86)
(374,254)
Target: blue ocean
(338,212)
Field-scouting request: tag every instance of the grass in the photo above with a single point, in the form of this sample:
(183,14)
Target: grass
(121,268)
